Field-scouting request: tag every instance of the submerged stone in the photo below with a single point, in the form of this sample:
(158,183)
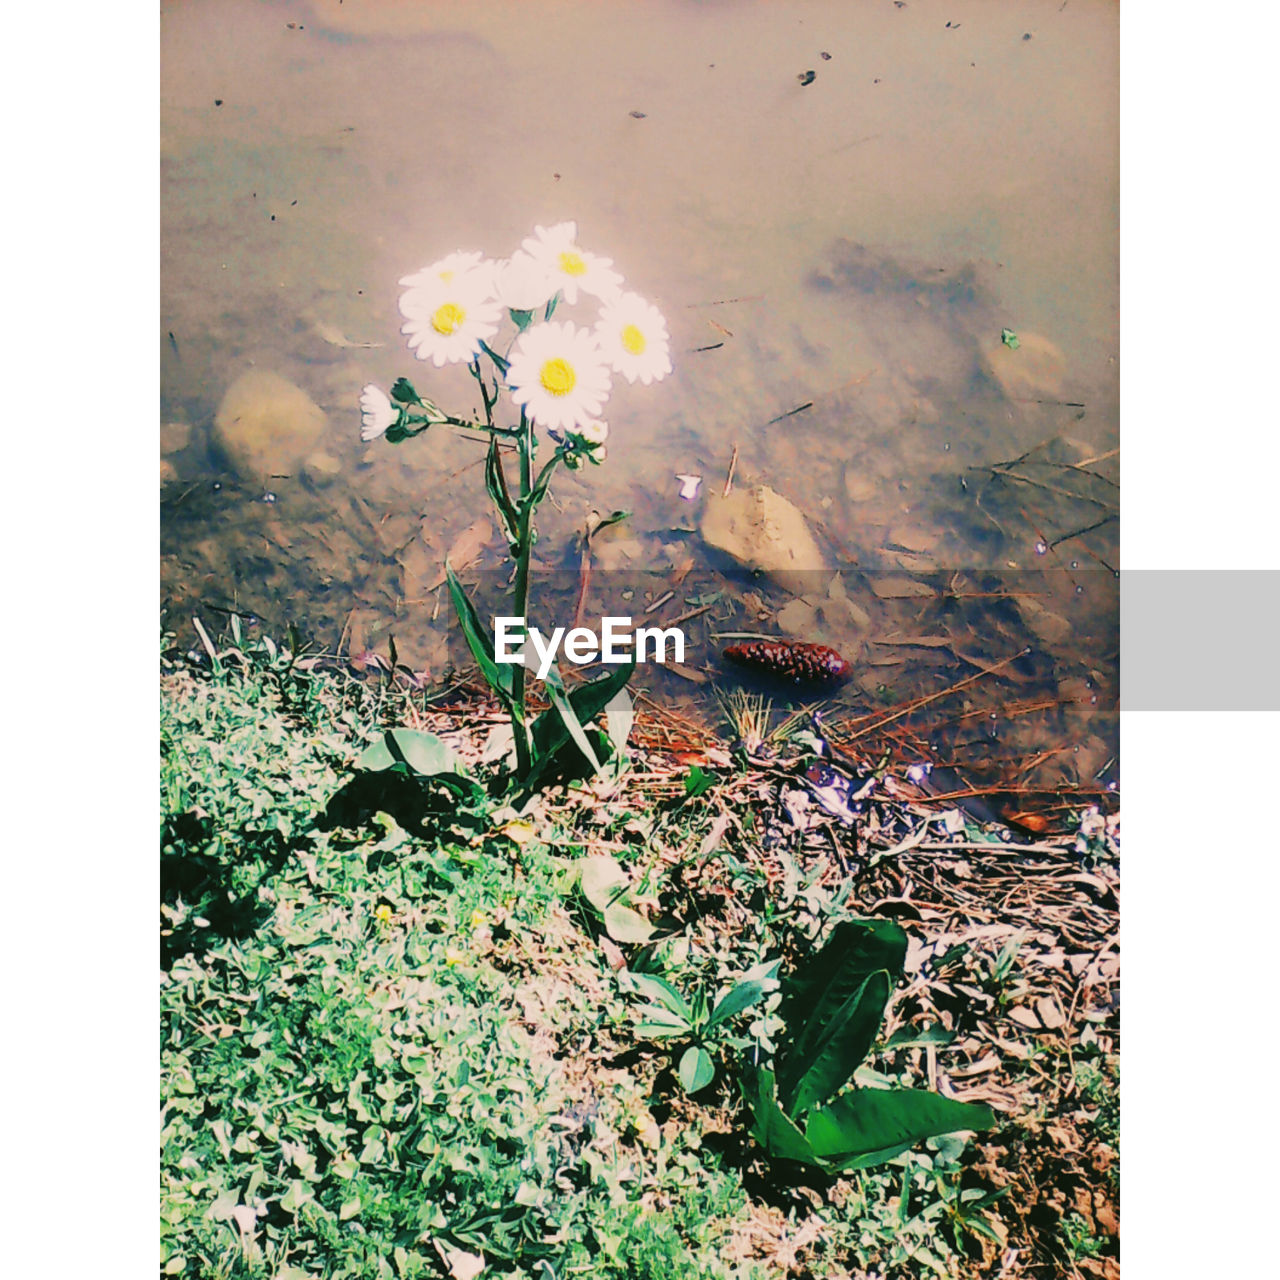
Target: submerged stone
(761,530)
(266,425)
(1034,369)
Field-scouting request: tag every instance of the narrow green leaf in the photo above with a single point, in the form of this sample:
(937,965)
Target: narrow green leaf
(564,709)
(550,734)
(742,996)
(619,716)
(495,480)
(497,676)
(614,517)
(659,989)
(503,365)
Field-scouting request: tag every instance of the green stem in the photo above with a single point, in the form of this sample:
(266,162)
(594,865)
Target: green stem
(524,544)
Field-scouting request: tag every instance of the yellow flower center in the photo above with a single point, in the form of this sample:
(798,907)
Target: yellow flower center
(446,276)
(633,340)
(448,319)
(558,377)
(571,263)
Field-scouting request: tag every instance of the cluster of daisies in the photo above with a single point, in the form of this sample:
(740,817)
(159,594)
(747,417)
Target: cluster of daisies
(557,372)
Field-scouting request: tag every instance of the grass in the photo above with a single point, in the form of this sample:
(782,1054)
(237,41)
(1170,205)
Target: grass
(392,1050)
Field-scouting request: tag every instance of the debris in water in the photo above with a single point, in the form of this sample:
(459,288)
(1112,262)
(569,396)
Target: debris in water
(807,77)
(793,661)
(689,486)
(1010,339)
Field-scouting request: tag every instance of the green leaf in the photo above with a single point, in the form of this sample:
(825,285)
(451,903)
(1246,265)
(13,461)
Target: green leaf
(1010,339)
(626,924)
(422,753)
(696,1070)
(619,716)
(697,781)
(909,1038)
(659,989)
(771,1127)
(615,517)
(496,482)
(869,1126)
(561,705)
(497,676)
(742,996)
(550,733)
(833,1007)
(661,1026)
(603,881)
(828,1052)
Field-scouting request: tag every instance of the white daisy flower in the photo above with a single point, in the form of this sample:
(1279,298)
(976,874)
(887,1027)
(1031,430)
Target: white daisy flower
(557,374)
(473,268)
(377,412)
(572,268)
(522,283)
(446,322)
(633,339)
(593,431)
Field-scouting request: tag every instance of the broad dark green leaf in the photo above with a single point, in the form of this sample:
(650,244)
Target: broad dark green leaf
(696,1070)
(833,1005)
(869,1126)
(831,1046)
(697,780)
(770,1126)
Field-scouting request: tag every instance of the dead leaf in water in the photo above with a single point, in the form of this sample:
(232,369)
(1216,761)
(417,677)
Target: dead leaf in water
(468,545)
(900,588)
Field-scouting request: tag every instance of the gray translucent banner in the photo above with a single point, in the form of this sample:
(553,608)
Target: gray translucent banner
(1199,640)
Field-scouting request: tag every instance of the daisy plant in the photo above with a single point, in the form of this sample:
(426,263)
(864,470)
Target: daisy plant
(547,388)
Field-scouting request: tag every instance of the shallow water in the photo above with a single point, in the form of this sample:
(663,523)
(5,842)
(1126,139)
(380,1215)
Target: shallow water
(854,245)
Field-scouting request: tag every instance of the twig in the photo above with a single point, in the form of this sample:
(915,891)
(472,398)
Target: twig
(800,408)
(733,463)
